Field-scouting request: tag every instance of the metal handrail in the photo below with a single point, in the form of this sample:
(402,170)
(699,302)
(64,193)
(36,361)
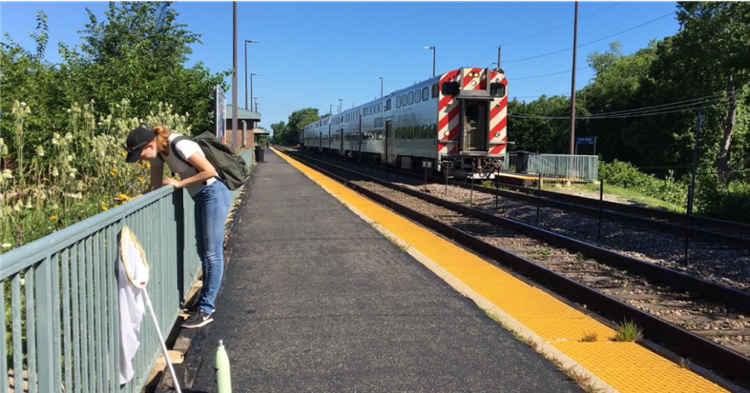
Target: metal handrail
(63,295)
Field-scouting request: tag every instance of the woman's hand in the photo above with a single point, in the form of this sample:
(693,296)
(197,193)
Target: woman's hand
(171,181)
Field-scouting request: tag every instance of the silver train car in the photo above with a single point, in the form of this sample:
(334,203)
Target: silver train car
(454,122)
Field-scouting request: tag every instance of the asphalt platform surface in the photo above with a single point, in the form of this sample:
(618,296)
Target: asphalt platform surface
(316,300)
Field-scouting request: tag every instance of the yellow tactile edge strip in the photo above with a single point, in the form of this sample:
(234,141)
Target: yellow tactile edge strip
(624,366)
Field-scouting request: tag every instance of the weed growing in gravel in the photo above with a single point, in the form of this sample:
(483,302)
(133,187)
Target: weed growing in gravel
(685,362)
(545,252)
(628,331)
(589,337)
(580,257)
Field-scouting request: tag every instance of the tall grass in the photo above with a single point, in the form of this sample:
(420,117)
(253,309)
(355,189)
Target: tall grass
(75,174)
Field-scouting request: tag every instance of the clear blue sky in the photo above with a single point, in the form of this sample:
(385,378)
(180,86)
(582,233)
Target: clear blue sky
(311,54)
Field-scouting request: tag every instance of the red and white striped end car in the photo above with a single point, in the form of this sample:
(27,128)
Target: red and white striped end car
(455,121)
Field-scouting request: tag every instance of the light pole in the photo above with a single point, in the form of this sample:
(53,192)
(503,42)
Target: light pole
(255,99)
(340,100)
(381,86)
(246,42)
(251,89)
(433,58)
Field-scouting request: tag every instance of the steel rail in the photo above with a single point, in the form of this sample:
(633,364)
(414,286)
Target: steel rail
(553,200)
(680,341)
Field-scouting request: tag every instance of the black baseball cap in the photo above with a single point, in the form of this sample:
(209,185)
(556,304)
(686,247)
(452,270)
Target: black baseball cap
(137,140)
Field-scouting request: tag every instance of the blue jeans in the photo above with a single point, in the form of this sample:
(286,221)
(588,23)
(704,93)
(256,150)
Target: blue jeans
(211,209)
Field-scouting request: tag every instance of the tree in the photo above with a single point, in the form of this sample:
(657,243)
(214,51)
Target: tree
(289,134)
(138,54)
(716,35)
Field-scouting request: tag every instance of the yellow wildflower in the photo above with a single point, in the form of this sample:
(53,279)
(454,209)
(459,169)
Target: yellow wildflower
(104,207)
(53,218)
(123,153)
(124,197)
(140,179)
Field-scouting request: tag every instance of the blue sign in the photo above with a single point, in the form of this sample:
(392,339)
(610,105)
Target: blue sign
(585,140)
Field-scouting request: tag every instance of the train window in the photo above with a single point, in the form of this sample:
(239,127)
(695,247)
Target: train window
(388,105)
(404,99)
(398,102)
(497,89)
(380,107)
(411,97)
(425,93)
(435,90)
(450,88)
(367,111)
(426,134)
(417,96)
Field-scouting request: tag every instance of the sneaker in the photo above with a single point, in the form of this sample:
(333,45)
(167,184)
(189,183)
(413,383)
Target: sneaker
(199,319)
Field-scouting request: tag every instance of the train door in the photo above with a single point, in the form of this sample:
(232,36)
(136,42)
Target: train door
(388,141)
(474,126)
(320,142)
(341,151)
(329,141)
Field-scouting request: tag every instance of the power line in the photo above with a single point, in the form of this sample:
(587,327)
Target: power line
(589,43)
(706,99)
(563,25)
(545,31)
(554,73)
(554,95)
(680,106)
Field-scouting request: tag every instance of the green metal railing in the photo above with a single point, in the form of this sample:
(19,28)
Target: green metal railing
(60,311)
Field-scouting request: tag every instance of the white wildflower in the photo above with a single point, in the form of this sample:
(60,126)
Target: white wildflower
(40,151)
(7,174)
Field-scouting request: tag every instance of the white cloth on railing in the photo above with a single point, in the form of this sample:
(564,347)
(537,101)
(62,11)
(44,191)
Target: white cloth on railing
(129,283)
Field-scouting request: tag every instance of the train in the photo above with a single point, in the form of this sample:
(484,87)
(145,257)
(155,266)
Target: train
(454,124)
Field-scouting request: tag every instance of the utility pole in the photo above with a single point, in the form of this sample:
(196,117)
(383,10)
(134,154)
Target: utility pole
(234,71)
(330,109)
(498,56)
(573,86)
(340,100)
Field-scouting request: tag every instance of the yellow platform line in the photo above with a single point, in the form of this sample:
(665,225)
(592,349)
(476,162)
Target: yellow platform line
(620,366)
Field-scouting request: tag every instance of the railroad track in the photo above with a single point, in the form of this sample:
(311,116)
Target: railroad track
(696,228)
(719,263)
(694,318)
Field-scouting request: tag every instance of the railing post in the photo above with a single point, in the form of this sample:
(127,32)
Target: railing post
(46,320)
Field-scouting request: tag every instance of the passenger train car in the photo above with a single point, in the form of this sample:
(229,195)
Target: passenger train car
(455,121)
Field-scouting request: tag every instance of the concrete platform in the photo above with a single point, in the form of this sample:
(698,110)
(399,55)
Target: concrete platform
(316,299)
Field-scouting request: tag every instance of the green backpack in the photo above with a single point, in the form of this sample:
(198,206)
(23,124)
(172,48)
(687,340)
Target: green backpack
(231,168)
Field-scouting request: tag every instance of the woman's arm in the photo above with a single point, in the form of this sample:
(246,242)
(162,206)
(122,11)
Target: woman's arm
(201,164)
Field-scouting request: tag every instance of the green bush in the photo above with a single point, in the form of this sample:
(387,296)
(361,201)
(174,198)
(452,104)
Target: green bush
(623,174)
(727,202)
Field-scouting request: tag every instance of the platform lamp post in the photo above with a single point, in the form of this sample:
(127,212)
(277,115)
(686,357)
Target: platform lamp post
(251,89)
(381,86)
(255,99)
(247,42)
(340,100)
(433,58)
